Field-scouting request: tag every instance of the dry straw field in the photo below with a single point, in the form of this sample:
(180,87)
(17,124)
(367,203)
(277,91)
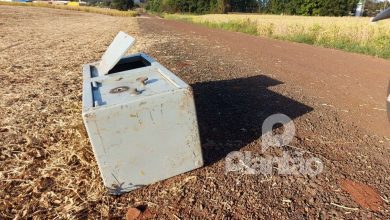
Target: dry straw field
(104,11)
(42,138)
(47,167)
(346,33)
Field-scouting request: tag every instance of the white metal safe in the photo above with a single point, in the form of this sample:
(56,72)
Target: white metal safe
(140,119)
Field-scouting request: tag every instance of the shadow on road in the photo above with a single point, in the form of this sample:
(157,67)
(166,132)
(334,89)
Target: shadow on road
(231,112)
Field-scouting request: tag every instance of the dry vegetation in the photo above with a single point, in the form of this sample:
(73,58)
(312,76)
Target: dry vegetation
(346,33)
(104,11)
(47,168)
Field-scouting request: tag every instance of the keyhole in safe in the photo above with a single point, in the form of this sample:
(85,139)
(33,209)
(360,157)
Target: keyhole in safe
(119,89)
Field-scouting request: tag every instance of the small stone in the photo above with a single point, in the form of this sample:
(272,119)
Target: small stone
(132,213)
(147,214)
(311,191)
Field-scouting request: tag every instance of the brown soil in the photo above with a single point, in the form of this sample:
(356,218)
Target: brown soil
(362,194)
(355,85)
(336,100)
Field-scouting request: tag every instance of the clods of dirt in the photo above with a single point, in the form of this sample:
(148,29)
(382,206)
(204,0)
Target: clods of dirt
(133,213)
(141,212)
(363,194)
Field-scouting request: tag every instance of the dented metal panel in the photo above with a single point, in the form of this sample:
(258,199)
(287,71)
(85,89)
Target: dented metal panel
(141,121)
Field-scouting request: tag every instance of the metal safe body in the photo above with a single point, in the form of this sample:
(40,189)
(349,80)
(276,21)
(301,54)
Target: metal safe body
(141,121)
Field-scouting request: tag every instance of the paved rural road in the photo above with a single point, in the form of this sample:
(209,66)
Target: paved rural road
(336,100)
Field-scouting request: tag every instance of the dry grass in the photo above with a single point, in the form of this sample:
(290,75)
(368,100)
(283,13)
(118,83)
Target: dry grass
(346,33)
(47,168)
(104,11)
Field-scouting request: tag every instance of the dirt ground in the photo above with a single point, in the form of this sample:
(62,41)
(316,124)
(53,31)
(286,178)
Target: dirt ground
(336,99)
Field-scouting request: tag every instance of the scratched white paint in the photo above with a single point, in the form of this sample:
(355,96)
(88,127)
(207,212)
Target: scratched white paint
(140,133)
